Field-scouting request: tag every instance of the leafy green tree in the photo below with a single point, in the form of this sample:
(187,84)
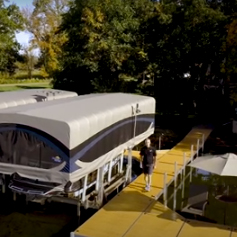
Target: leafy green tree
(189,43)
(103,45)
(27,61)
(43,22)
(11,21)
(168,49)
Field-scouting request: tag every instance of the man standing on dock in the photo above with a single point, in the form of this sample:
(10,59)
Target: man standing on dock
(148,161)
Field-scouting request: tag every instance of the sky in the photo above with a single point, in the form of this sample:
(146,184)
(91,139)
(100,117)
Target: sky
(22,3)
(22,37)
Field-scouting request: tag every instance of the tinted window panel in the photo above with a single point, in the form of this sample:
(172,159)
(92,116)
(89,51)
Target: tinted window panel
(21,148)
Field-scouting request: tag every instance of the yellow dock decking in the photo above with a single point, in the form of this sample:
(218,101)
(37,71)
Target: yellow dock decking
(135,213)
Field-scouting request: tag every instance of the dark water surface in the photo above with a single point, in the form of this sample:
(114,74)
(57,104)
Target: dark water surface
(57,219)
(217,211)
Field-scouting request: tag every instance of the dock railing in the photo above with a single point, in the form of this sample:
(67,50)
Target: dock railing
(182,173)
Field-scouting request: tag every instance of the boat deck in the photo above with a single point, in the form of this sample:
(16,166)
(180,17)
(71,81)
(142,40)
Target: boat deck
(135,212)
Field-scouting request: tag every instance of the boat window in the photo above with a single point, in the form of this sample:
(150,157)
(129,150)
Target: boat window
(18,147)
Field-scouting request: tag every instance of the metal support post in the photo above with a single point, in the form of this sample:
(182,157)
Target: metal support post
(3,184)
(97,180)
(181,178)
(198,142)
(191,169)
(165,190)
(101,185)
(203,142)
(84,189)
(129,164)
(184,159)
(159,142)
(110,171)
(192,155)
(121,164)
(14,196)
(182,195)
(175,185)
(79,208)
(184,165)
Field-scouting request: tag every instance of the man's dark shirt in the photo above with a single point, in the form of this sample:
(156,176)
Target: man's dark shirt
(148,153)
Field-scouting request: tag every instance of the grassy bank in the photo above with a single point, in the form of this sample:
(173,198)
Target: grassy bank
(13,85)
(24,86)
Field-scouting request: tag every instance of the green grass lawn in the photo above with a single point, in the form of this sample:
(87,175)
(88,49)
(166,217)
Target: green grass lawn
(23,74)
(15,87)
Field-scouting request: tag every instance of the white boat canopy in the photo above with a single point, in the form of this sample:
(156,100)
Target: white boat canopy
(23,97)
(76,119)
(72,136)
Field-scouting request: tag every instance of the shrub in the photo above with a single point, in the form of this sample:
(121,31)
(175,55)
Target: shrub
(23,81)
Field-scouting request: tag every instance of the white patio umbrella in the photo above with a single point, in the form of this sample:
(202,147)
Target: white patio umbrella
(223,165)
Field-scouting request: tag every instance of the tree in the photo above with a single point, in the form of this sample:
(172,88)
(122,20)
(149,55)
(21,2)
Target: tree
(43,22)
(168,49)
(189,42)
(10,21)
(103,45)
(28,60)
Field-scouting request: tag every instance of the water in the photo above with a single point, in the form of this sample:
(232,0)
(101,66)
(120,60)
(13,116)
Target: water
(58,219)
(53,219)
(217,211)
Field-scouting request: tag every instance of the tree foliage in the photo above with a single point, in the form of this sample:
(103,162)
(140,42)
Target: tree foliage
(10,21)
(27,61)
(103,44)
(189,43)
(173,50)
(43,22)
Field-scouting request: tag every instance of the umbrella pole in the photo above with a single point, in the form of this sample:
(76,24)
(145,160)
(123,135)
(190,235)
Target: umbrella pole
(227,193)
(225,213)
